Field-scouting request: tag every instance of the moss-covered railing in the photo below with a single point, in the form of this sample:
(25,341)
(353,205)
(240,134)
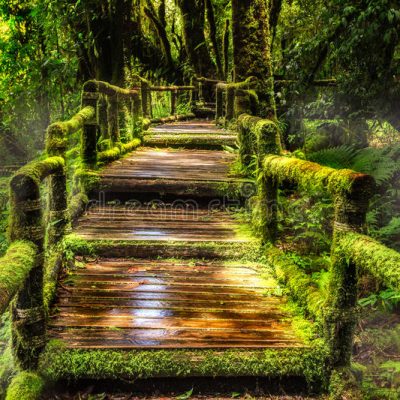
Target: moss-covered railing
(29,269)
(146,90)
(351,250)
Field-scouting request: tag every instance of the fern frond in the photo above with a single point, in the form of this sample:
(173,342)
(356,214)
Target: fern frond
(374,162)
(334,157)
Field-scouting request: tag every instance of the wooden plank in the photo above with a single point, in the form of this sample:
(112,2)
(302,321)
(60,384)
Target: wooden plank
(119,321)
(262,316)
(195,305)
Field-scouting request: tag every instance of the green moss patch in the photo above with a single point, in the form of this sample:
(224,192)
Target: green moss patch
(59,362)
(25,386)
(372,257)
(14,269)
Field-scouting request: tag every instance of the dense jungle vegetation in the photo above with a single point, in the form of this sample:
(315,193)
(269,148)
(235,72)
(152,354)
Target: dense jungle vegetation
(336,65)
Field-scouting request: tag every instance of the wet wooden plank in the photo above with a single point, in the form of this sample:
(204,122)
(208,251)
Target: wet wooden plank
(173,164)
(120,303)
(123,223)
(120,321)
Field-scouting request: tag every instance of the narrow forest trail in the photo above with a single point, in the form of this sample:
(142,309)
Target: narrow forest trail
(171,274)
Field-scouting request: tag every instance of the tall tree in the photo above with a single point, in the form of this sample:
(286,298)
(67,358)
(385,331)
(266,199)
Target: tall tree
(193,19)
(252,48)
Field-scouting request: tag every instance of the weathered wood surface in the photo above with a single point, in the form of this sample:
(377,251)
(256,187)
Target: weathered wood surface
(179,222)
(196,300)
(196,173)
(190,134)
(119,303)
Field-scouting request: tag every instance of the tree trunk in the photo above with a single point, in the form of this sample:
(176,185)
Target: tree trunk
(213,37)
(193,17)
(252,48)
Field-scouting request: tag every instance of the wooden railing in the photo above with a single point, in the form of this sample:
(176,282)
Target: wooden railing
(351,250)
(36,227)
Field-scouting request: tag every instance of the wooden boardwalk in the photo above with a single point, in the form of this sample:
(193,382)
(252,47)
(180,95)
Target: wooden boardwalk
(133,303)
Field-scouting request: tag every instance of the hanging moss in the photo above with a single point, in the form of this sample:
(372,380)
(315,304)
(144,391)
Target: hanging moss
(25,386)
(372,257)
(59,362)
(14,270)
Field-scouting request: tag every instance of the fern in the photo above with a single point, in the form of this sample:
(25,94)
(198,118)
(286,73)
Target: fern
(372,161)
(334,157)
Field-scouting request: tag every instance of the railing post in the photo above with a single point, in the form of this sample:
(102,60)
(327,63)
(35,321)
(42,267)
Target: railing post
(219,106)
(136,111)
(113,117)
(145,90)
(103,119)
(56,145)
(89,135)
(230,102)
(174,94)
(28,315)
(351,207)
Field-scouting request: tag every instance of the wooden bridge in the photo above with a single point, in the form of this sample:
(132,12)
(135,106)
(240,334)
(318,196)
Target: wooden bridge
(141,263)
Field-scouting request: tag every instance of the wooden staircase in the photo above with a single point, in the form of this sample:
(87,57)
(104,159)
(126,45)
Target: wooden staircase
(162,264)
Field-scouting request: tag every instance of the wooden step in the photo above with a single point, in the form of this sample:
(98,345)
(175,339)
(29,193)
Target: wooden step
(194,173)
(163,223)
(190,135)
(123,304)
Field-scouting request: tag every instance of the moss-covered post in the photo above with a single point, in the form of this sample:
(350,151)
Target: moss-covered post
(89,133)
(174,95)
(102,117)
(219,106)
(193,94)
(136,111)
(25,223)
(230,102)
(267,142)
(145,90)
(56,145)
(113,117)
(351,206)
(252,49)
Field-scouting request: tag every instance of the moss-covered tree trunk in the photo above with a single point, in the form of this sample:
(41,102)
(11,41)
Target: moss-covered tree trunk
(252,49)
(193,18)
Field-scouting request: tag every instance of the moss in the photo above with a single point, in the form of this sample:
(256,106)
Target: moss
(14,269)
(25,386)
(57,133)
(311,175)
(77,205)
(36,171)
(59,362)
(344,385)
(52,267)
(372,257)
(246,251)
(299,285)
(118,151)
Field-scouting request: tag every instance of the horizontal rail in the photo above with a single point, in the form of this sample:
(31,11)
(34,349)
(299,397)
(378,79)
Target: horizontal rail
(372,257)
(108,89)
(171,88)
(57,133)
(312,175)
(15,266)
